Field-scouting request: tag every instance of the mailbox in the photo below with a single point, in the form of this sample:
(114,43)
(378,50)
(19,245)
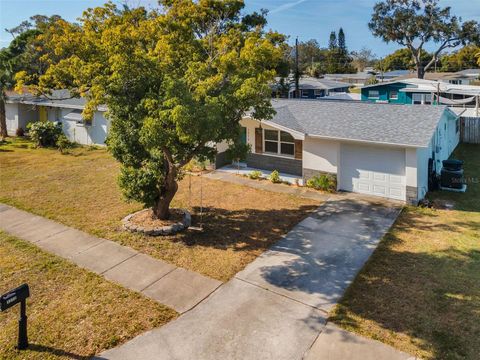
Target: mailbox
(11,298)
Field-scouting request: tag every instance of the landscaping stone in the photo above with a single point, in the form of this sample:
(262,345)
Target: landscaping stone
(163,230)
(139,272)
(190,289)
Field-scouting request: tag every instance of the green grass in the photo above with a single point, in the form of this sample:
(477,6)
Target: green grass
(80,190)
(420,291)
(72,313)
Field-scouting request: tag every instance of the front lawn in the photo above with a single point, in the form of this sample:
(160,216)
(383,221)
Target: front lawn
(72,313)
(80,190)
(420,291)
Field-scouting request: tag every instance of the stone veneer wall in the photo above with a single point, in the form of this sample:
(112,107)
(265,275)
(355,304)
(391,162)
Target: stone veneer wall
(221,160)
(412,195)
(309,173)
(266,162)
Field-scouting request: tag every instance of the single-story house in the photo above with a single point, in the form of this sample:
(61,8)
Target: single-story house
(464,77)
(376,149)
(420,92)
(315,88)
(22,109)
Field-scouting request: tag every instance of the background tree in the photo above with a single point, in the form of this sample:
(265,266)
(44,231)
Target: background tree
(22,54)
(401,59)
(332,41)
(174,79)
(363,58)
(465,58)
(413,23)
(338,58)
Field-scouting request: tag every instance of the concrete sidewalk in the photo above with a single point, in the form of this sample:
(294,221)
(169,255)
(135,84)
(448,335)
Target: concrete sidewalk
(172,286)
(276,308)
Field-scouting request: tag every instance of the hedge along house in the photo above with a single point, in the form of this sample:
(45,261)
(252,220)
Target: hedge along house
(375,149)
(22,109)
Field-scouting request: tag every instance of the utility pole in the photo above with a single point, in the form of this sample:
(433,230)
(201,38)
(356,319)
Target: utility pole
(297,72)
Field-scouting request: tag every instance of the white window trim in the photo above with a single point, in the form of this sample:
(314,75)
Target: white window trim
(393,97)
(279,147)
(374,97)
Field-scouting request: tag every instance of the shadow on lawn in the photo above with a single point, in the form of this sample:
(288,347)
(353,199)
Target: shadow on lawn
(242,230)
(433,298)
(56,352)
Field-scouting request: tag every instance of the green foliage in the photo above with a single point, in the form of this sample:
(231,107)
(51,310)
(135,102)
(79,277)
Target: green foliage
(413,23)
(372,80)
(175,80)
(274,177)
(63,143)
(255,175)
(237,151)
(465,58)
(324,182)
(44,134)
(401,59)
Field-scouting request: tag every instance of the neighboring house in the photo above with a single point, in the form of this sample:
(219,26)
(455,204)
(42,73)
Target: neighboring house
(358,79)
(22,109)
(464,77)
(421,92)
(314,88)
(374,149)
(391,75)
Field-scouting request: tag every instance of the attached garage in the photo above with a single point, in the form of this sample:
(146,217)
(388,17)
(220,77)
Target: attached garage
(372,170)
(374,149)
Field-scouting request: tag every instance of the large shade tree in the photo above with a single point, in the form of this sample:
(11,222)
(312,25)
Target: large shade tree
(414,23)
(176,80)
(23,54)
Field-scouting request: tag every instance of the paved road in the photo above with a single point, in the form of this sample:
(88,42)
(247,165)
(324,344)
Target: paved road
(276,308)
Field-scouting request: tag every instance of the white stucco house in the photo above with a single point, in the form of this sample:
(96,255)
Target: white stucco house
(22,109)
(374,149)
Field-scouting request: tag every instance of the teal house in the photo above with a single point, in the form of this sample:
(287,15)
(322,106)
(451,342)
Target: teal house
(411,91)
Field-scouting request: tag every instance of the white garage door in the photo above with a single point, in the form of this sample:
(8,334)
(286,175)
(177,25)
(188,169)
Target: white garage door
(373,170)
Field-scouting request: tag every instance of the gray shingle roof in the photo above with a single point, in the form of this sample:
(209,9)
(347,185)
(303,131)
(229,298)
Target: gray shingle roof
(58,98)
(322,84)
(410,125)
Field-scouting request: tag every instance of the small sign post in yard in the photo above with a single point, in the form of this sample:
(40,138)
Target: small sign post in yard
(11,298)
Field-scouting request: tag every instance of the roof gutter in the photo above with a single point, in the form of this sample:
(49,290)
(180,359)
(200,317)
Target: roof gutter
(366,141)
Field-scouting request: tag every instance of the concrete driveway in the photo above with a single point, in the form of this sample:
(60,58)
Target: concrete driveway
(277,307)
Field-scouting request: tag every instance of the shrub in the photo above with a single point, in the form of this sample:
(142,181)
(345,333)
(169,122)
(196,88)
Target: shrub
(20,132)
(44,134)
(63,143)
(275,177)
(323,182)
(255,175)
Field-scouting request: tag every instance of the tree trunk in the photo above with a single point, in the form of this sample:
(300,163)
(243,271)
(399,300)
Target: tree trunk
(3,120)
(161,209)
(420,72)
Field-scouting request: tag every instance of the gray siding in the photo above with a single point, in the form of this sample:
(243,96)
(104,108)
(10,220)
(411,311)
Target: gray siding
(221,160)
(267,162)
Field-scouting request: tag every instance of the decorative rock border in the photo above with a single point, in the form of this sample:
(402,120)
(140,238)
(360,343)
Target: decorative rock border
(158,231)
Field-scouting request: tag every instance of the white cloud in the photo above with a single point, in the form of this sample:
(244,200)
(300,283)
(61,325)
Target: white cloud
(286,6)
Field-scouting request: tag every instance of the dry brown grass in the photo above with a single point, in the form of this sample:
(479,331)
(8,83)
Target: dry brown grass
(72,313)
(420,291)
(80,190)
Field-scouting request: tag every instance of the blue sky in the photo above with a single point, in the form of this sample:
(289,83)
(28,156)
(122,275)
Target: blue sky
(306,19)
